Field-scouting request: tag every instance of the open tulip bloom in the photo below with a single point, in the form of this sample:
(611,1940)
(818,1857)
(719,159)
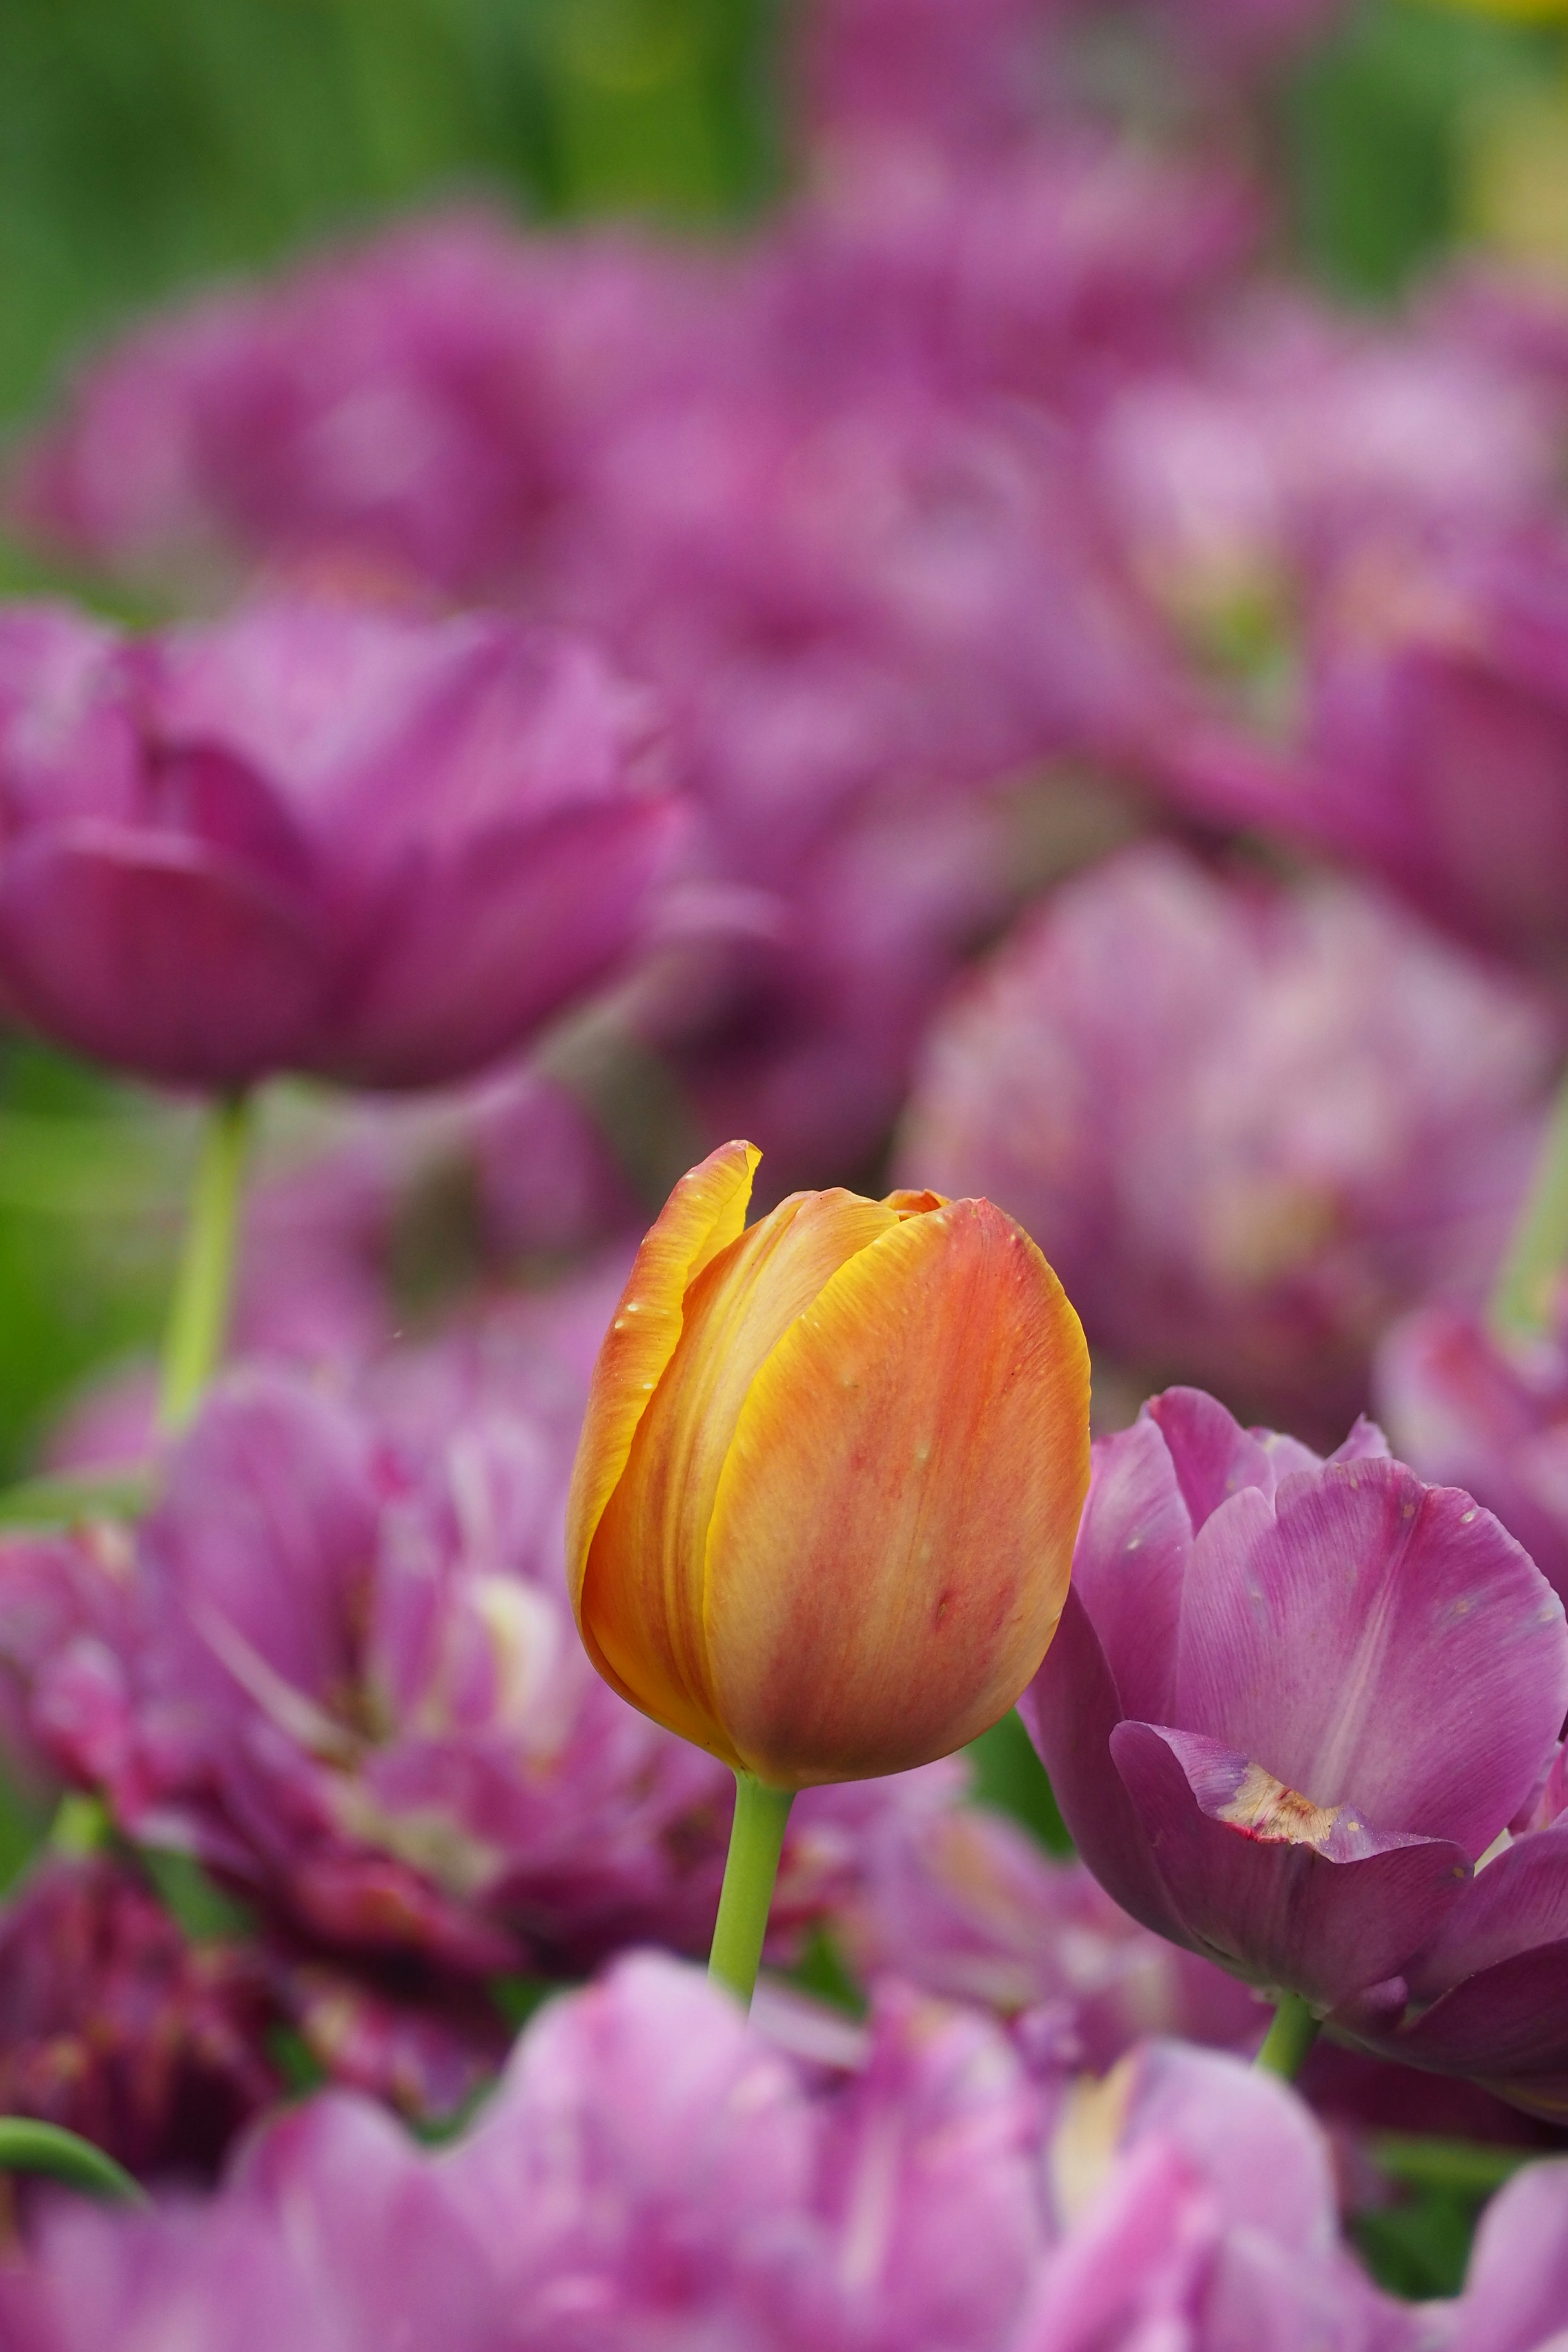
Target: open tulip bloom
(379,848)
(822,1514)
(1293,1704)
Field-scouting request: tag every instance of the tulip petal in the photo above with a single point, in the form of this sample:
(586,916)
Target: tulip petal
(647,1579)
(1212,1455)
(1282,1891)
(1314,1636)
(1507,2025)
(1131,1562)
(104,928)
(1516,2291)
(1518,1901)
(938,1391)
(467,953)
(704,1214)
(1071,1710)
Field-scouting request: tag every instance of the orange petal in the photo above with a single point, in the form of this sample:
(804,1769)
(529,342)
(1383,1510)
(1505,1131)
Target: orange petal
(704,1214)
(642,1598)
(893,1534)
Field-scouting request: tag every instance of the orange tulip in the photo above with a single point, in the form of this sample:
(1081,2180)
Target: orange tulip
(823,1511)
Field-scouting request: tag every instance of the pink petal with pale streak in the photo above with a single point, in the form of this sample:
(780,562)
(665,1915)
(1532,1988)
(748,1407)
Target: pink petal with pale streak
(1284,1892)
(938,1393)
(1312,1641)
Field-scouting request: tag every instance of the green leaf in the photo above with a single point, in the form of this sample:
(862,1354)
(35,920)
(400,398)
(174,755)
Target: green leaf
(198,1904)
(1010,1778)
(29,2146)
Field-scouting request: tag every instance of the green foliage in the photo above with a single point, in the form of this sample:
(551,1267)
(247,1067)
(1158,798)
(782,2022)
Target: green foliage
(1420,2247)
(1010,1778)
(28,2147)
(90,1193)
(149,144)
(1371,127)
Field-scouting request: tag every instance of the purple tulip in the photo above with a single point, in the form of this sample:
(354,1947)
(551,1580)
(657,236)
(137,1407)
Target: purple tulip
(337,1664)
(334,2233)
(1484,1996)
(411,409)
(647,2160)
(965,1905)
(1488,1414)
(1248,1124)
(651,2172)
(1291,1702)
(381,848)
(114,2026)
(1197,2207)
(1516,2292)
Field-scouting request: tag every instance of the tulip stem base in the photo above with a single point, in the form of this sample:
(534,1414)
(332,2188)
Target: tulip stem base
(199,1316)
(1521,1298)
(1288,2039)
(756,1842)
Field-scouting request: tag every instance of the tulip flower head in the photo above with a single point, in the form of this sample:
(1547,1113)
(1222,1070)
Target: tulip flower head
(822,1515)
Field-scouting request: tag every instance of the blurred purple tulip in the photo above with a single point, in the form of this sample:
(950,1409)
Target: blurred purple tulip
(337,1664)
(381,848)
(410,409)
(334,2233)
(1473,1410)
(1196,2202)
(114,2026)
(1247,1124)
(650,2172)
(1293,1703)
(965,1905)
(1516,2291)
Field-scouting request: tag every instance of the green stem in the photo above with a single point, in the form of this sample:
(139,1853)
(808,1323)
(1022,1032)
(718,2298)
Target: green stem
(756,1842)
(1470,2168)
(1288,2039)
(29,2146)
(199,1317)
(1521,1298)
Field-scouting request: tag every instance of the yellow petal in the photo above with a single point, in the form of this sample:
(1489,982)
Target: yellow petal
(703,1215)
(892,1533)
(642,1598)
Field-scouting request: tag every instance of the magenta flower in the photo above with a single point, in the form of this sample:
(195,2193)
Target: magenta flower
(650,2172)
(114,2026)
(967,1906)
(205,880)
(337,1664)
(1195,2202)
(1484,1997)
(333,2234)
(1490,1416)
(410,409)
(1292,1702)
(1516,2291)
(1248,1124)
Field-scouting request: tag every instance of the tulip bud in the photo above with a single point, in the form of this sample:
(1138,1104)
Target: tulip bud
(823,1511)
